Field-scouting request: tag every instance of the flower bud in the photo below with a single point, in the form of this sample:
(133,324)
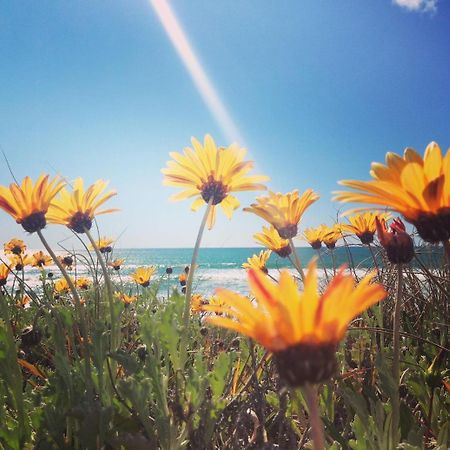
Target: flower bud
(396,241)
(30,336)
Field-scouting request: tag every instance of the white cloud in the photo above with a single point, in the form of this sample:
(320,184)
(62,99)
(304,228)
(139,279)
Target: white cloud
(418,5)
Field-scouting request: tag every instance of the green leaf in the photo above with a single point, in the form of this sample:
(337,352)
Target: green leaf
(127,361)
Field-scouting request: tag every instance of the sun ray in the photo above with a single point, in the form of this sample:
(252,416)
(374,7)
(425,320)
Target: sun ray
(193,65)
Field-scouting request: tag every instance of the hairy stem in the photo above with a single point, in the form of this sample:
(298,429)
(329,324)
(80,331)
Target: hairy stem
(323,264)
(396,358)
(187,302)
(298,263)
(333,258)
(314,416)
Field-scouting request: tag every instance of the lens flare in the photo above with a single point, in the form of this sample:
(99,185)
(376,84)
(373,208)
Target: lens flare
(187,54)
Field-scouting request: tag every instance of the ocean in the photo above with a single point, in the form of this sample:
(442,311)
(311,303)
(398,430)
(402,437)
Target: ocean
(217,267)
(222,267)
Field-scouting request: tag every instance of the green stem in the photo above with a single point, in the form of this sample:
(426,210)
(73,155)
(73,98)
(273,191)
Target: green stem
(168,286)
(349,256)
(429,418)
(298,264)
(396,358)
(109,290)
(80,310)
(323,264)
(187,302)
(314,416)
(333,258)
(380,304)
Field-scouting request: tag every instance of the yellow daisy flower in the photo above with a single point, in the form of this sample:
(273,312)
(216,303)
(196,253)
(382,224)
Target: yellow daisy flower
(83,283)
(40,259)
(142,275)
(78,208)
(15,247)
(4,272)
(283,211)
(103,244)
(214,301)
(28,204)
(331,235)
(364,225)
(314,236)
(197,301)
(117,264)
(66,261)
(417,188)
(18,262)
(258,261)
(126,299)
(302,329)
(23,302)
(272,240)
(183,278)
(211,174)
(61,286)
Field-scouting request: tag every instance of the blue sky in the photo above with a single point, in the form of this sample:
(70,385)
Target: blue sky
(318,89)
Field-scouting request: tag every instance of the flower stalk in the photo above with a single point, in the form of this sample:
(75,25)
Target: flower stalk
(109,290)
(187,303)
(297,262)
(79,308)
(311,394)
(396,358)
(333,259)
(319,253)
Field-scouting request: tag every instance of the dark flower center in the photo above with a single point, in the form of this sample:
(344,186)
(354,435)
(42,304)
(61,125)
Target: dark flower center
(288,232)
(67,260)
(107,249)
(316,244)
(16,250)
(80,222)
(2,281)
(330,245)
(34,222)
(433,228)
(145,284)
(366,237)
(213,189)
(306,363)
(284,252)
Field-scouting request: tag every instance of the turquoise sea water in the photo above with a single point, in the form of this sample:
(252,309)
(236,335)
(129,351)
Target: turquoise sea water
(222,267)
(228,258)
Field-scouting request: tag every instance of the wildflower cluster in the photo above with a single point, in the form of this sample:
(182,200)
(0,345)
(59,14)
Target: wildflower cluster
(93,356)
